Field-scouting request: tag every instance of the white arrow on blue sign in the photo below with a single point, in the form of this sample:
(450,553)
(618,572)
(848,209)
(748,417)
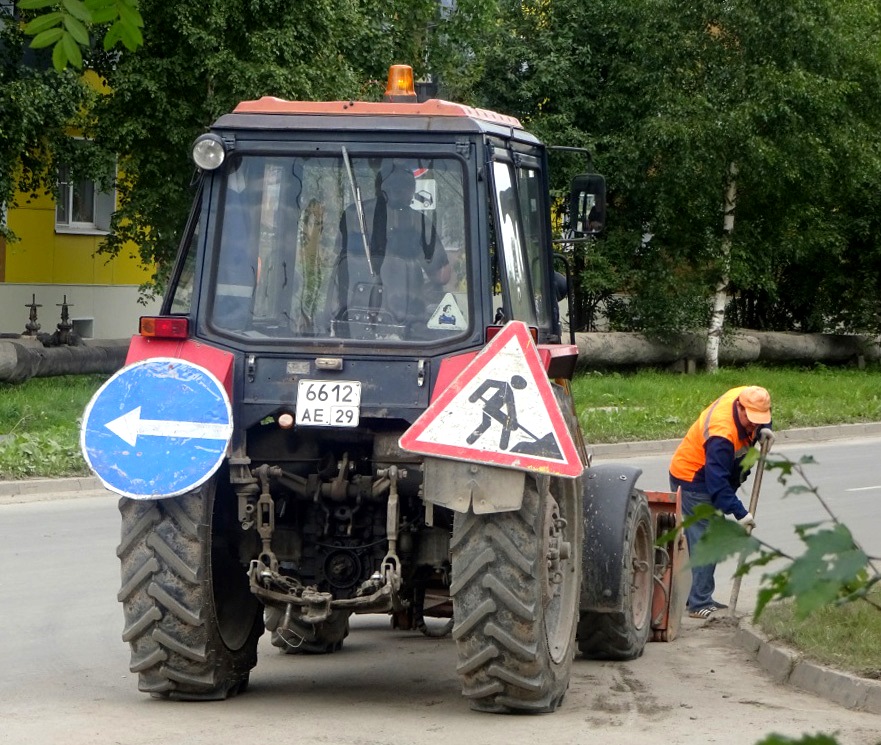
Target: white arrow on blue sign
(157,428)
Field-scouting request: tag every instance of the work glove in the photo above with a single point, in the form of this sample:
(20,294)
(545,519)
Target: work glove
(748,521)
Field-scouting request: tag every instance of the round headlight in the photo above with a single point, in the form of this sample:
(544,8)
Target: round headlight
(208,152)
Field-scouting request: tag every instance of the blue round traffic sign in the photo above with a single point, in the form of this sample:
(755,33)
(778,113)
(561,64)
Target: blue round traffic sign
(157,428)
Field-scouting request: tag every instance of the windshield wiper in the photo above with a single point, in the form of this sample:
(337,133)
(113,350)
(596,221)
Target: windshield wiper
(359,210)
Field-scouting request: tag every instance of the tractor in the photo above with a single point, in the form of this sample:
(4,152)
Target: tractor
(355,399)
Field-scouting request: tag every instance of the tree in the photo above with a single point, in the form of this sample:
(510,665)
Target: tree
(675,98)
(38,109)
(196,62)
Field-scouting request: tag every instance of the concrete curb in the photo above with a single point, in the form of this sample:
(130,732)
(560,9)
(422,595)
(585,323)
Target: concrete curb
(786,666)
(45,490)
(27,487)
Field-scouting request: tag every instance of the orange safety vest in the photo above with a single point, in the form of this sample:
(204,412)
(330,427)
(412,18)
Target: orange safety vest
(717,420)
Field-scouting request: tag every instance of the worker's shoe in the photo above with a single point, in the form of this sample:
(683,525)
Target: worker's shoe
(703,613)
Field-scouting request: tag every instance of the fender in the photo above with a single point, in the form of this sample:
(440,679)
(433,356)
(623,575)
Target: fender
(216,361)
(607,490)
(558,359)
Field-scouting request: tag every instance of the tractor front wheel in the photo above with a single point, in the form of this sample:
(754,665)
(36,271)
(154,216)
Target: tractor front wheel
(516,579)
(622,634)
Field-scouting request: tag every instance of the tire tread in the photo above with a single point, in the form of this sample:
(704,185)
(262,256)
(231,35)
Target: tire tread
(166,593)
(504,664)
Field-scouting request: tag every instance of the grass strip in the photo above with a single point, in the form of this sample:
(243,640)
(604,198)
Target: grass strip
(40,418)
(846,637)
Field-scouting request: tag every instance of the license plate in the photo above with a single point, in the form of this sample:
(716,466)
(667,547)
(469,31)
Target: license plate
(328,403)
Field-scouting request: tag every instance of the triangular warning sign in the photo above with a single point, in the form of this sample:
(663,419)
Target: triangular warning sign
(448,315)
(500,410)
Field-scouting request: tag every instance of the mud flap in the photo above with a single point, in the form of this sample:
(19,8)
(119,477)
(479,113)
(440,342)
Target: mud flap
(672,580)
(607,491)
(458,485)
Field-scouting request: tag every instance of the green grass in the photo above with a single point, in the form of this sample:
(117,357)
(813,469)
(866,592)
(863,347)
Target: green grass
(40,424)
(40,418)
(652,405)
(846,637)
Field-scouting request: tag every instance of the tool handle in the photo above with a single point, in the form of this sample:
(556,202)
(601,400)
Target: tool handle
(766,437)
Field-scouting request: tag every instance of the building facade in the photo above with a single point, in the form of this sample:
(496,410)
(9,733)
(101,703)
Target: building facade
(56,260)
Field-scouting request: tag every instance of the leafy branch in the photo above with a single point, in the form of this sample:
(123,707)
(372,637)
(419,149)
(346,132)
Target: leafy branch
(67,26)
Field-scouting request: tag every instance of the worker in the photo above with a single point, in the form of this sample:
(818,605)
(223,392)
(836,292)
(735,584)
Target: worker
(707,467)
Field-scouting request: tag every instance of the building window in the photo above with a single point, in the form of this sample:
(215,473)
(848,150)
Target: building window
(82,205)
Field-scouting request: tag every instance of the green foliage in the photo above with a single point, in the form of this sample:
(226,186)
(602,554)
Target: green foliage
(197,63)
(67,28)
(723,538)
(193,63)
(38,109)
(669,97)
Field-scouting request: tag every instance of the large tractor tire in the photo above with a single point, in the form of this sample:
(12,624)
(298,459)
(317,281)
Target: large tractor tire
(516,579)
(622,634)
(310,638)
(190,618)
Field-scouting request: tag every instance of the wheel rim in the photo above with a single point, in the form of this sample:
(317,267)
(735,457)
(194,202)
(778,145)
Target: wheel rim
(641,579)
(560,593)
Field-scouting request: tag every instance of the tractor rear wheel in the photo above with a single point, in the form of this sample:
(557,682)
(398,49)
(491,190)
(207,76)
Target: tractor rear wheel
(515,589)
(190,618)
(622,635)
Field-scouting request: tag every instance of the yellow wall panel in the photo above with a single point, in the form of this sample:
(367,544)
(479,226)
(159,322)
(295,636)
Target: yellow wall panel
(74,262)
(42,255)
(30,259)
(128,269)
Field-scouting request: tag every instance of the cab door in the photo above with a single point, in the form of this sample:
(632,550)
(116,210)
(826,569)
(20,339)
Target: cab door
(521,250)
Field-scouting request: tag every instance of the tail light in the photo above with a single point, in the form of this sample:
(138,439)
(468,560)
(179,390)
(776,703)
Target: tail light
(165,327)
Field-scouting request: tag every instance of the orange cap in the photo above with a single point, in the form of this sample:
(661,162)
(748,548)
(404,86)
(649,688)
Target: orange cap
(757,403)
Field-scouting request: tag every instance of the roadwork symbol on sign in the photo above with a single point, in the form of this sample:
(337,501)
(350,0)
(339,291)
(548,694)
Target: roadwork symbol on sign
(157,428)
(500,410)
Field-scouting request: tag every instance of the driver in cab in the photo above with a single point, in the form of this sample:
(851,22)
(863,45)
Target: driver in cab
(405,254)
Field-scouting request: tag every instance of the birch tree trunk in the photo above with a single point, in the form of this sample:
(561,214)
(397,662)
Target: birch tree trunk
(720,298)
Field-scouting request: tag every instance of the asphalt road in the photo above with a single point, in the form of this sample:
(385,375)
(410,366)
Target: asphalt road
(64,671)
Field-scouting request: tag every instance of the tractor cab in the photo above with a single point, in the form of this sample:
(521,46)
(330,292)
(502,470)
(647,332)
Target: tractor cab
(363,226)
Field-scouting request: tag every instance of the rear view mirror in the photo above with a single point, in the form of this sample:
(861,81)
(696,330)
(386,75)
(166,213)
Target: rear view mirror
(587,204)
